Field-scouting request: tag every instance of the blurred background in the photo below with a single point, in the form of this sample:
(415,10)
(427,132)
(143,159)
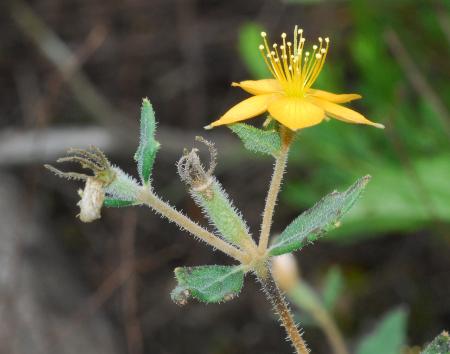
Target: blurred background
(73,74)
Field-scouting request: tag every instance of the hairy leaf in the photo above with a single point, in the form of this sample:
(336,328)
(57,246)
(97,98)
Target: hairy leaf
(388,337)
(148,146)
(210,284)
(439,345)
(322,217)
(258,140)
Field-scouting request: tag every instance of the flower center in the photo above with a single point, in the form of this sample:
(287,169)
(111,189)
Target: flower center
(295,69)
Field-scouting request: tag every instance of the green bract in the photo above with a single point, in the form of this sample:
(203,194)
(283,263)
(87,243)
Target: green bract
(116,203)
(210,284)
(258,140)
(148,146)
(319,219)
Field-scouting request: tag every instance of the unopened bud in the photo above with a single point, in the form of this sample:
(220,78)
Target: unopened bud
(285,271)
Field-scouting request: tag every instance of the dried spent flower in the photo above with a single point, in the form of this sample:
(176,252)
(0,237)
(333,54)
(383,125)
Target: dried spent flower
(192,171)
(93,195)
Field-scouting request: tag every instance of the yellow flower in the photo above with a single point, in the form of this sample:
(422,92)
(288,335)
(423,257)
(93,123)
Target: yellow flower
(289,97)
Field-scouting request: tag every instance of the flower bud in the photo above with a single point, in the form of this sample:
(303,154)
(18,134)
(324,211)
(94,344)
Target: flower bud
(285,271)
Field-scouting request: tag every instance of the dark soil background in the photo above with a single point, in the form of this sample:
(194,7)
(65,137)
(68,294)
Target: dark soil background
(103,287)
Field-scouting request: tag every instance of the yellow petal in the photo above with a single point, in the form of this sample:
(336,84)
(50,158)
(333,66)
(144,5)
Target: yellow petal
(245,109)
(332,97)
(295,113)
(342,113)
(259,87)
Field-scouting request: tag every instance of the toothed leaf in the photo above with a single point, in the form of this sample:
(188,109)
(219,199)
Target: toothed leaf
(210,284)
(439,345)
(257,140)
(148,146)
(321,218)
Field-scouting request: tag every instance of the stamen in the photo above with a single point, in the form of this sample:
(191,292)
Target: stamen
(295,68)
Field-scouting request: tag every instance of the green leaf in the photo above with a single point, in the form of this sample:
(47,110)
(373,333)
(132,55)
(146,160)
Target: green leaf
(334,283)
(249,41)
(210,284)
(388,337)
(257,140)
(439,345)
(319,219)
(148,146)
(116,203)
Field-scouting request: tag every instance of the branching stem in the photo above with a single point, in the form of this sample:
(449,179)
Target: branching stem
(274,189)
(280,306)
(148,198)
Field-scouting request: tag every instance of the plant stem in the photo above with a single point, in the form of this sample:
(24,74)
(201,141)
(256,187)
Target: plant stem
(302,295)
(280,306)
(333,334)
(274,189)
(148,198)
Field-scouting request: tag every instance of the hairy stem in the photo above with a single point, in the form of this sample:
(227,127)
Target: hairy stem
(147,197)
(274,189)
(281,308)
(306,298)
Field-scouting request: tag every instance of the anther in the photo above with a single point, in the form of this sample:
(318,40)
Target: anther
(323,50)
(314,47)
(263,34)
(289,44)
(327,39)
(306,54)
(300,31)
(318,56)
(320,39)
(302,39)
(261,47)
(283,35)
(274,45)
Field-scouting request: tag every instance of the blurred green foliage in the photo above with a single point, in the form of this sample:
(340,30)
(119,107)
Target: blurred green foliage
(388,337)
(409,161)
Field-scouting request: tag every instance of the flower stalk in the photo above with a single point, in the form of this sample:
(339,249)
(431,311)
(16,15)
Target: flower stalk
(274,188)
(147,197)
